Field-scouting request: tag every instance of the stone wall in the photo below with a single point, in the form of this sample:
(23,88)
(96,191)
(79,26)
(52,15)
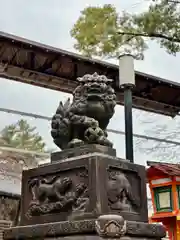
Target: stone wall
(8,207)
(4,224)
(8,211)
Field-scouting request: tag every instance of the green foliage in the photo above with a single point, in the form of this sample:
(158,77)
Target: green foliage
(102,31)
(22,136)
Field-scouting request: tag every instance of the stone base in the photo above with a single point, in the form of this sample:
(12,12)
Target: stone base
(93,237)
(86,229)
(85,193)
(84,187)
(82,150)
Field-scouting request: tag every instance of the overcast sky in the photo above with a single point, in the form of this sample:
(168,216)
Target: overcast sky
(49,22)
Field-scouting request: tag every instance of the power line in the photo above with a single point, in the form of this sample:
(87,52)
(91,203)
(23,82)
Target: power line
(37,116)
(145,137)
(134,5)
(7,110)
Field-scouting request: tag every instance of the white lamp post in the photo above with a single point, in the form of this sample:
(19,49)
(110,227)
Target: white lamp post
(127,82)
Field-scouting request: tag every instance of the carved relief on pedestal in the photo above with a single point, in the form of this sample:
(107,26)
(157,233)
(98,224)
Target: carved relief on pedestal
(58,194)
(111,226)
(120,194)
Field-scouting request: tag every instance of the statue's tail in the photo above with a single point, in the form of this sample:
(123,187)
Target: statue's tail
(132,199)
(60,125)
(33,184)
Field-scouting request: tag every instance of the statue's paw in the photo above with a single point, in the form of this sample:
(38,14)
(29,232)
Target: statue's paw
(104,141)
(92,123)
(75,143)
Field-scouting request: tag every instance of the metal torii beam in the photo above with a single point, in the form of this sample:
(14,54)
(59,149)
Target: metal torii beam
(41,65)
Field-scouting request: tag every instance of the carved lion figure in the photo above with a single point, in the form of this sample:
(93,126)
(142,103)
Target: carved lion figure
(120,194)
(56,195)
(44,191)
(85,119)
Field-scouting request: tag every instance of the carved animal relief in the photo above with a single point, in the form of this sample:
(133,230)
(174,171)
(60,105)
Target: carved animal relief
(58,194)
(120,195)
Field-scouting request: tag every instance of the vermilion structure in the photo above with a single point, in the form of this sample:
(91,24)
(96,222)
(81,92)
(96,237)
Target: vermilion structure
(164,183)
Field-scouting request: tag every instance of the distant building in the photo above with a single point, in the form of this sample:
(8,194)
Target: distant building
(10,188)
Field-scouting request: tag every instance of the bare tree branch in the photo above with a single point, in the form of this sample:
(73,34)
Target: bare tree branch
(169,1)
(152,35)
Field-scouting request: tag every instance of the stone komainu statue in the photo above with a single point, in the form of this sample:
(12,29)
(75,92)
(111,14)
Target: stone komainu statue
(85,119)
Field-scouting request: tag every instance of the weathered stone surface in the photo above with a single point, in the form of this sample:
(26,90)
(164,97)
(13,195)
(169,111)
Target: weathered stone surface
(85,227)
(84,121)
(80,237)
(82,150)
(84,187)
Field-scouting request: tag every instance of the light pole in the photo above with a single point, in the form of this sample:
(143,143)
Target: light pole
(127,83)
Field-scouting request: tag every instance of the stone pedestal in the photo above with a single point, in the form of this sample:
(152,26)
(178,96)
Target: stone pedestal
(85,193)
(87,229)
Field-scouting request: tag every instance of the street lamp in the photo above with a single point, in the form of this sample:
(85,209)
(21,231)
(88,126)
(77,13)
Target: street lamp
(127,82)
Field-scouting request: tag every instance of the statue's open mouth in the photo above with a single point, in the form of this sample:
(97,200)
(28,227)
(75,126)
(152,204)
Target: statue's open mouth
(94,93)
(94,96)
(94,90)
